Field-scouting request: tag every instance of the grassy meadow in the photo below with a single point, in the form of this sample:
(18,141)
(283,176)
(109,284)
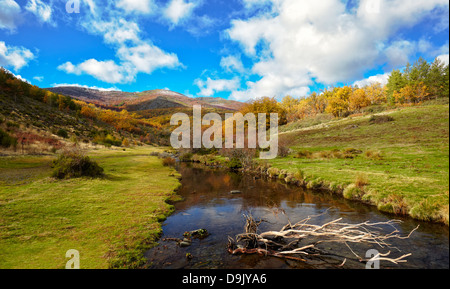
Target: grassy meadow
(397,160)
(111,221)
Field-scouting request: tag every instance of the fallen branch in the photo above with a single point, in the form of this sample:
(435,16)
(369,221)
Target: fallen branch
(300,240)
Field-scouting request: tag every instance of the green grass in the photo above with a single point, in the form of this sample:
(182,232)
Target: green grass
(110,221)
(406,161)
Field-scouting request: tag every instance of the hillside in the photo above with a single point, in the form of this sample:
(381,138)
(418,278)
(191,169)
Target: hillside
(138,101)
(37,121)
(397,160)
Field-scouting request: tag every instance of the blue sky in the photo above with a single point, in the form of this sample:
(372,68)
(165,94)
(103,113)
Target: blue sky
(237,49)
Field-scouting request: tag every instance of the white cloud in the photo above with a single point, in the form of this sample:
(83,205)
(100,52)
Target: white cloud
(116,31)
(135,55)
(9,14)
(38,78)
(147,57)
(107,71)
(14,56)
(178,10)
(444,58)
(379,78)
(232,63)
(399,52)
(212,86)
(137,6)
(299,41)
(41,10)
(85,86)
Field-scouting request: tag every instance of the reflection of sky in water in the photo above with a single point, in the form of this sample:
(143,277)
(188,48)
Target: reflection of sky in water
(208,204)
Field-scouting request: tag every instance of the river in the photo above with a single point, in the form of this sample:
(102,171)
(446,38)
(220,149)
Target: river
(208,204)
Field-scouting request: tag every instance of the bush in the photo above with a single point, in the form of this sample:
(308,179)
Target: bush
(373,155)
(303,154)
(186,157)
(235,163)
(378,119)
(168,161)
(73,164)
(352,192)
(361,181)
(6,140)
(62,133)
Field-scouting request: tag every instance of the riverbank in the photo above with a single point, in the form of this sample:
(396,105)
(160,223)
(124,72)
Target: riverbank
(397,161)
(111,221)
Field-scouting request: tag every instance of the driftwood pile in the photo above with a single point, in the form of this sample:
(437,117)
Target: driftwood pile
(300,241)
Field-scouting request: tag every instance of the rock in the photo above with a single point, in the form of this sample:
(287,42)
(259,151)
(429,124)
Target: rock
(235,192)
(185,244)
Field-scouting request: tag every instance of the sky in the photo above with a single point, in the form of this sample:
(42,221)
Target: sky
(236,49)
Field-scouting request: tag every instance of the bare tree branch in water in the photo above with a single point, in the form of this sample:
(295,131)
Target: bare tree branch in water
(300,241)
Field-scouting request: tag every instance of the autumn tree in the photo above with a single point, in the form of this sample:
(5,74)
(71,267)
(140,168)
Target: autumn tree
(358,100)
(376,93)
(265,105)
(338,101)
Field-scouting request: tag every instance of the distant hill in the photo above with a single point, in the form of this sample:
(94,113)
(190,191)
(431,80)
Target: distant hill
(146,100)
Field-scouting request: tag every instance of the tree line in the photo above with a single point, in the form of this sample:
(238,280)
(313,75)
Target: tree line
(418,82)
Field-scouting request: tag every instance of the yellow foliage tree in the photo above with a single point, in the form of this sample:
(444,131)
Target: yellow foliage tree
(358,100)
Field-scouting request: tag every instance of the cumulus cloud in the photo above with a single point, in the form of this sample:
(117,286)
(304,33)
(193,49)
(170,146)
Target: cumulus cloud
(137,6)
(147,57)
(232,63)
(379,78)
(107,71)
(9,14)
(212,86)
(177,10)
(14,56)
(85,86)
(38,78)
(299,42)
(41,10)
(444,58)
(135,55)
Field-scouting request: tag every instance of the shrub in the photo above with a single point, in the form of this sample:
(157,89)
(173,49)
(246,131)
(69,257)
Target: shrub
(6,140)
(379,119)
(361,181)
(303,154)
(73,164)
(373,155)
(352,192)
(273,172)
(186,157)
(235,163)
(395,204)
(299,175)
(168,161)
(62,133)
(154,154)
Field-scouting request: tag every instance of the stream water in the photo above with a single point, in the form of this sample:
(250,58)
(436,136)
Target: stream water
(208,204)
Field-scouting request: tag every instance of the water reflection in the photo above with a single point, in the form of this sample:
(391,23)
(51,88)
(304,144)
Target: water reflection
(209,204)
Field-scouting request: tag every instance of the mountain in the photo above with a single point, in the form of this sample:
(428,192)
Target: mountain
(146,100)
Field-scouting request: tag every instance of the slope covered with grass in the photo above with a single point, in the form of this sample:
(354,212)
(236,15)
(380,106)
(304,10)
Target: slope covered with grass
(111,221)
(397,160)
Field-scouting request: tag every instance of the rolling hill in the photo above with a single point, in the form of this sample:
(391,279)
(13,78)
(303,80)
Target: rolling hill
(146,100)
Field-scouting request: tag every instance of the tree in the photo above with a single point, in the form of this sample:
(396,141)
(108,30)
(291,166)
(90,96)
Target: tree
(376,93)
(338,101)
(265,105)
(396,82)
(437,80)
(358,100)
